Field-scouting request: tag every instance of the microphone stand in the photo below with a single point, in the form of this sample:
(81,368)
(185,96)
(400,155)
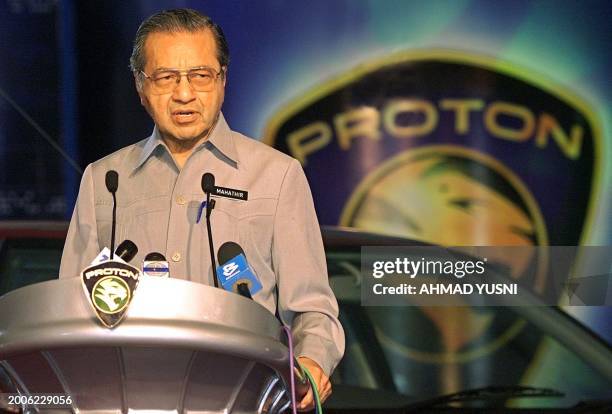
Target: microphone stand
(210,204)
(112,184)
(114,225)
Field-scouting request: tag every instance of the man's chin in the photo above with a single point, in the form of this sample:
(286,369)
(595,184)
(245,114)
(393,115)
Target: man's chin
(186,134)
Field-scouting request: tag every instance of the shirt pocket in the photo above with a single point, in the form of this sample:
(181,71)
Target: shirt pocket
(143,221)
(249,223)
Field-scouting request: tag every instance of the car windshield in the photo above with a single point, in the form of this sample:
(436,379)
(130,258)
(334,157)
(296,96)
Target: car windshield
(413,353)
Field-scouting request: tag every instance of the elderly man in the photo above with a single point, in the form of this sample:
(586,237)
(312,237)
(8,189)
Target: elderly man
(180,60)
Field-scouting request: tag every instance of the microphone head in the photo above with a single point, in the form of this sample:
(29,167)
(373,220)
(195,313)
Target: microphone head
(112,181)
(227,251)
(155,264)
(234,273)
(208,183)
(126,250)
(155,257)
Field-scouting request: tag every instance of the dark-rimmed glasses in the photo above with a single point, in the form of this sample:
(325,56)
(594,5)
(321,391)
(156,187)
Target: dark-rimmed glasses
(201,79)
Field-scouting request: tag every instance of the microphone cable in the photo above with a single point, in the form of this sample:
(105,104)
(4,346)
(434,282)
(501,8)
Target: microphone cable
(291,367)
(313,385)
(315,392)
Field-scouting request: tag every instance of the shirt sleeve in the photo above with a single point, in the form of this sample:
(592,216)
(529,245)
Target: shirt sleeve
(306,301)
(81,245)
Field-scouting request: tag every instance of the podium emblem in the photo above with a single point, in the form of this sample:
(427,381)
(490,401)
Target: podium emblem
(110,295)
(109,287)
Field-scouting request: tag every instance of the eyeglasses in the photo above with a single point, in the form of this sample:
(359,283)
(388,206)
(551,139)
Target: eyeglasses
(201,79)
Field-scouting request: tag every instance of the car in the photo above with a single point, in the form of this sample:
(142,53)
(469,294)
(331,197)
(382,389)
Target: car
(30,252)
(531,357)
(398,358)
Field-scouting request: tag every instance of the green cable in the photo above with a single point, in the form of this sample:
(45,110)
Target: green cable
(315,392)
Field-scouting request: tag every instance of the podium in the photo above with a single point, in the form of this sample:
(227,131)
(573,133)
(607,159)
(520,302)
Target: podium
(182,347)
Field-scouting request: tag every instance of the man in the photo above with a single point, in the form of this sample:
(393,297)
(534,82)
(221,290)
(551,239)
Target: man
(180,60)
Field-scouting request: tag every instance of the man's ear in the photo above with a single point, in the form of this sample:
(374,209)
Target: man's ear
(138,85)
(224,69)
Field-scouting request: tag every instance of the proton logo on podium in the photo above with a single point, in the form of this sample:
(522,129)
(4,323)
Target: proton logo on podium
(109,287)
(111,295)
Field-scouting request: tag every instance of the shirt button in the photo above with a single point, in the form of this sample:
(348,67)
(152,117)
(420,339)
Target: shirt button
(180,200)
(176,257)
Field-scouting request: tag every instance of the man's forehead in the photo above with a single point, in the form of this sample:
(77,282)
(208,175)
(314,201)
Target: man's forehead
(166,47)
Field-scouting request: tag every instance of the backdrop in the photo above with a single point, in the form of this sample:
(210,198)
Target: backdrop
(456,122)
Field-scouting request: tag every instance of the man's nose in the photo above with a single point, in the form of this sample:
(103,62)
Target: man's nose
(183,91)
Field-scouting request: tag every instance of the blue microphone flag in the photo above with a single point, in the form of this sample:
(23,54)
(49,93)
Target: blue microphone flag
(235,271)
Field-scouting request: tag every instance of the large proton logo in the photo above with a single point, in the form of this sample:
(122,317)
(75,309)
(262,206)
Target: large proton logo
(454,196)
(451,149)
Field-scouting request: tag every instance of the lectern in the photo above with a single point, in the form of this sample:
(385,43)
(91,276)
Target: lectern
(183,347)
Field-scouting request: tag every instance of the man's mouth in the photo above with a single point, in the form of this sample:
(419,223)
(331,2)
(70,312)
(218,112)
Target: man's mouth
(184,115)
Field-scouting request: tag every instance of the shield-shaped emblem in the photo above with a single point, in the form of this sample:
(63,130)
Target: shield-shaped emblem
(452,149)
(109,287)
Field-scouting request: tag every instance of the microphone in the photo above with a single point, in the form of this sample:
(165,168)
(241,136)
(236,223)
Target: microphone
(208,183)
(228,251)
(155,256)
(126,250)
(208,186)
(234,272)
(124,253)
(155,264)
(112,183)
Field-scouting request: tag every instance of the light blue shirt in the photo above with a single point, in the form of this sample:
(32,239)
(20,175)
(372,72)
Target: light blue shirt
(157,208)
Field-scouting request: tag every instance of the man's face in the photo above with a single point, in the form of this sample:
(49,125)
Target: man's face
(183,115)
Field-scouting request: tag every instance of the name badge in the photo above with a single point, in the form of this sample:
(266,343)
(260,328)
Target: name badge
(231,193)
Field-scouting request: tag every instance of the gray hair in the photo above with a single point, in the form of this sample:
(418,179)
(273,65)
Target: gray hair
(174,21)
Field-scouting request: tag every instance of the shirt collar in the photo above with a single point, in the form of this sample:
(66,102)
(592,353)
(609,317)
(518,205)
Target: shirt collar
(221,138)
